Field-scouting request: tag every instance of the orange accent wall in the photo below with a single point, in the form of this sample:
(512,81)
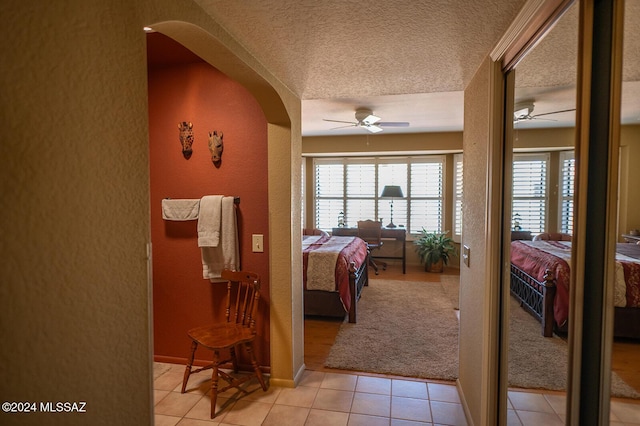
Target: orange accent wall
(201,94)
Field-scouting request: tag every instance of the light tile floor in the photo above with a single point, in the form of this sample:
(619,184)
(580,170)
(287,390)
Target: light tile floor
(327,399)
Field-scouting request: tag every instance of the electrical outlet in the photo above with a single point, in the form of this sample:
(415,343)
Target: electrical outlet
(257,243)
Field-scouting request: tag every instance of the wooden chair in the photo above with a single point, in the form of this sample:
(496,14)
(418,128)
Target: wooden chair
(371,232)
(314,231)
(552,236)
(238,330)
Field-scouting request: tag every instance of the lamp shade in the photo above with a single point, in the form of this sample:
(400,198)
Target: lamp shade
(391,191)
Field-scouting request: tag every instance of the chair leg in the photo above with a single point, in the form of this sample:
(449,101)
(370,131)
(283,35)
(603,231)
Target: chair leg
(255,366)
(234,359)
(187,370)
(383,264)
(214,383)
(373,263)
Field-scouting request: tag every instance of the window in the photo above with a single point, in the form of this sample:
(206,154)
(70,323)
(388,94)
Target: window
(457,198)
(566,183)
(426,203)
(530,191)
(329,193)
(353,186)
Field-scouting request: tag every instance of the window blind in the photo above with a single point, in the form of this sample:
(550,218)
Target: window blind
(426,189)
(567,184)
(457,197)
(353,186)
(530,191)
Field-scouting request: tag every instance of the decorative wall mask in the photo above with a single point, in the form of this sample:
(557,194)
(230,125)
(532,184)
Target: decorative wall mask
(215,146)
(186,138)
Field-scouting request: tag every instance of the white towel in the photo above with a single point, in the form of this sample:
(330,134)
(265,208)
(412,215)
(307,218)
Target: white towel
(209,221)
(186,209)
(226,254)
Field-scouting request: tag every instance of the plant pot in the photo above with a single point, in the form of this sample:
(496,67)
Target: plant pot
(435,267)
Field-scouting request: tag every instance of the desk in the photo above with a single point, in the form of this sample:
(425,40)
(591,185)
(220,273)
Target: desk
(520,235)
(398,234)
(631,238)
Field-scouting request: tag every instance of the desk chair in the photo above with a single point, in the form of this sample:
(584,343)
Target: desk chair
(314,231)
(558,236)
(371,232)
(237,330)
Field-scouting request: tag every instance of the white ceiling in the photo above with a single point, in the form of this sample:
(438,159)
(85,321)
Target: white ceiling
(405,60)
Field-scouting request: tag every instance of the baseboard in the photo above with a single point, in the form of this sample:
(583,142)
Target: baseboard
(288,383)
(170,359)
(204,362)
(463,402)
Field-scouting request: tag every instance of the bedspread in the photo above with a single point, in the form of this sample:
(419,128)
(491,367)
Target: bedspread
(326,262)
(535,257)
(534,261)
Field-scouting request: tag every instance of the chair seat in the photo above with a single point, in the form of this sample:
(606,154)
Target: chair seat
(236,332)
(221,336)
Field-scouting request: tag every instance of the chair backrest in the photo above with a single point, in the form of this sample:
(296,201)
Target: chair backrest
(370,231)
(314,231)
(243,297)
(554,236)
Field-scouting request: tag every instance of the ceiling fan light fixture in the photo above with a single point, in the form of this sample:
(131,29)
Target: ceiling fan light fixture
(363,113)
(522,110)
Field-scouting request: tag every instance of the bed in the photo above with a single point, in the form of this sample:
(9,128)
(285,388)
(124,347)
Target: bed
(334,274)
(540,276)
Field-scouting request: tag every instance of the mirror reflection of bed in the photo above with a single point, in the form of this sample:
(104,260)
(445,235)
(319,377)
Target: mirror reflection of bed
(540,273)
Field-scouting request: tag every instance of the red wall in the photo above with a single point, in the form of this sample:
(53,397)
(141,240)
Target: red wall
(199,93)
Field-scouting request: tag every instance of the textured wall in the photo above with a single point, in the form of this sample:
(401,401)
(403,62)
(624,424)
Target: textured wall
(74,176)
(390,143)
(475,206)
(629,213)
(211,101)
(75,213)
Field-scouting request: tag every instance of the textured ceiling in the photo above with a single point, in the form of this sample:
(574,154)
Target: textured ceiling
(406,60)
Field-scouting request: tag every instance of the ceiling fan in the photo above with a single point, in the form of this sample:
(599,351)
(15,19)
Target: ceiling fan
(523,111)
(372,123)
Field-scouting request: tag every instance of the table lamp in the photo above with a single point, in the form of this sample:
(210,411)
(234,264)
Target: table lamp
(391,191)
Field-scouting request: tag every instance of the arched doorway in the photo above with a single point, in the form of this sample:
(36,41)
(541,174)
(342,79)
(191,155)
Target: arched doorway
(282,110)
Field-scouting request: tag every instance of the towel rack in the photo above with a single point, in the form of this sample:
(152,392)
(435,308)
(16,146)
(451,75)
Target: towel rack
(236,200)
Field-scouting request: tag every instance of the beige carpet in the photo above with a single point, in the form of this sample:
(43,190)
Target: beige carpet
(548,368)
(404,328)
(411,329)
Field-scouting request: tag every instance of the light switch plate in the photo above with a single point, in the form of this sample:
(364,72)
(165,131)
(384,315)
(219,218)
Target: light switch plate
(257,243)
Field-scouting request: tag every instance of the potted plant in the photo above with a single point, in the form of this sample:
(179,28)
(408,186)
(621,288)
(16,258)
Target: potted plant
(434,250)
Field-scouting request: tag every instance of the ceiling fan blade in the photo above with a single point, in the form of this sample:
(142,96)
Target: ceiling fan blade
(553,112)
(370,119)
(393,124)
(342,127)
(535,117)
(353,123)
(373,128)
